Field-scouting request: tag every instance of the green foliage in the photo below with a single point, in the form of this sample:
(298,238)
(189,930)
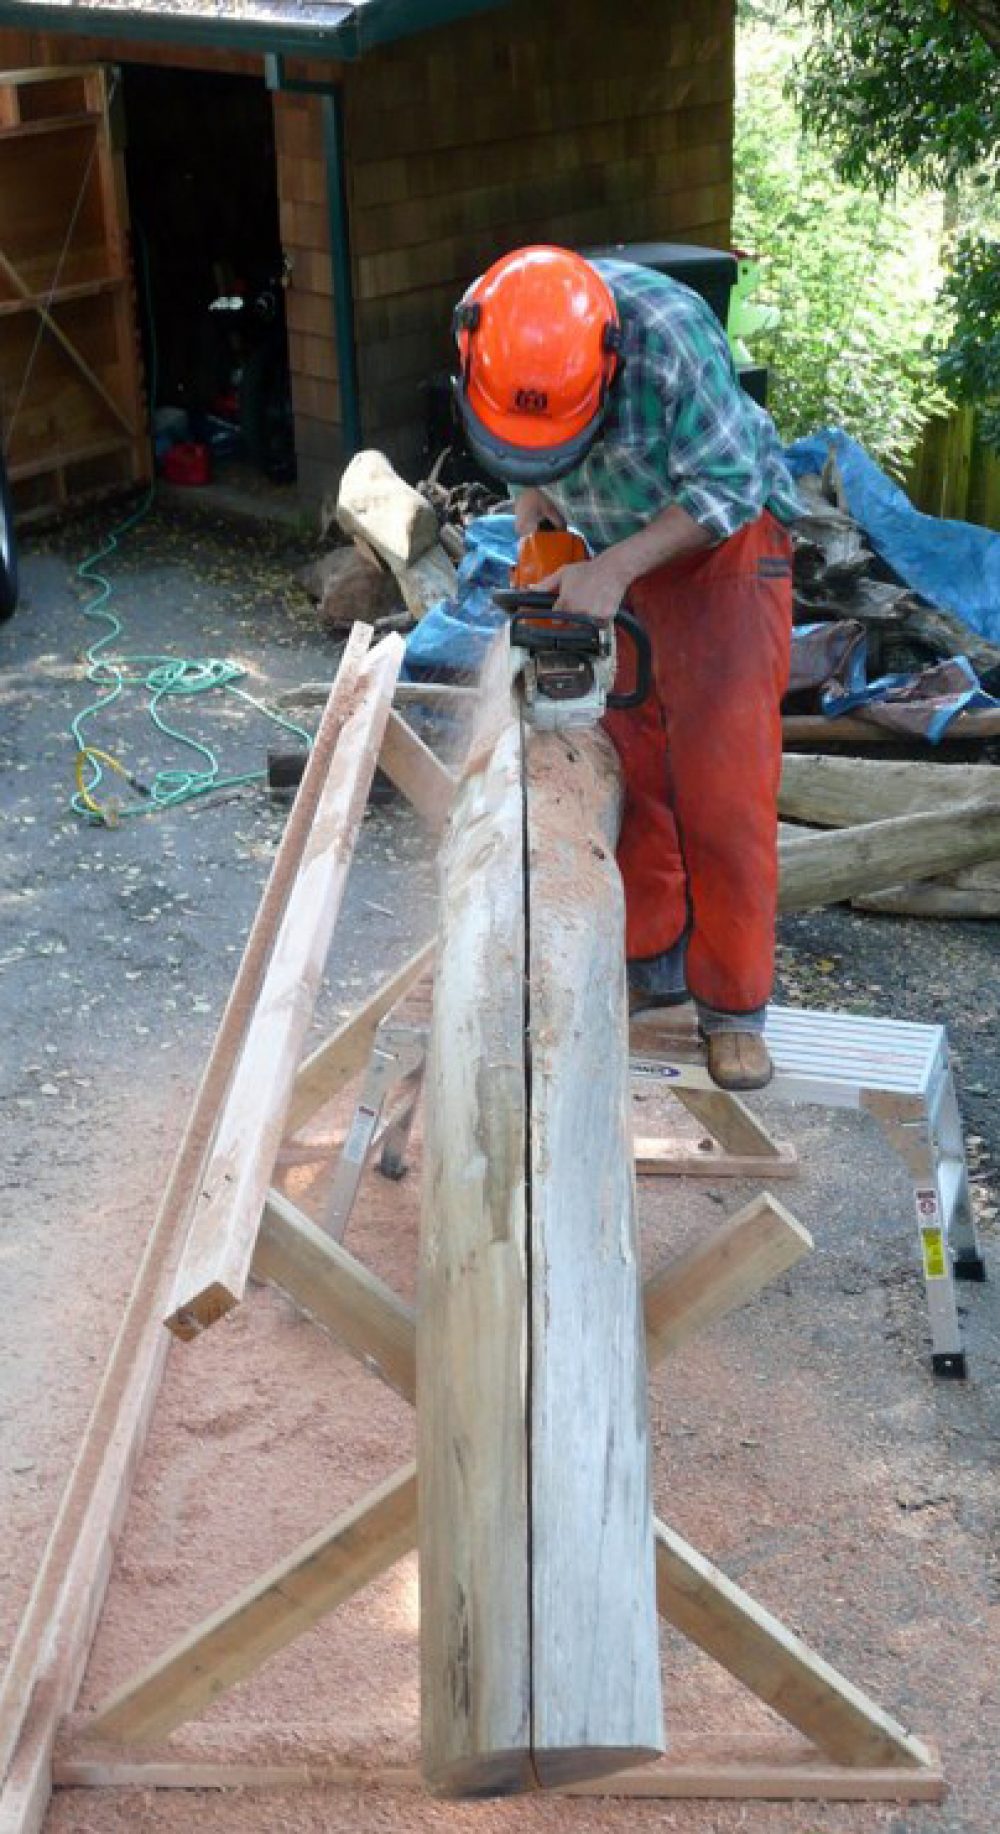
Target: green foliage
(969,365)
(911,88)
(898,87)
(854,296)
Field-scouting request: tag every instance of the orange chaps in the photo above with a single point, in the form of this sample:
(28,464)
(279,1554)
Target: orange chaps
(702,762)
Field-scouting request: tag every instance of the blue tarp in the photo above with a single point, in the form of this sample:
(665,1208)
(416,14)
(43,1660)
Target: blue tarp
(952,564)
(453,637)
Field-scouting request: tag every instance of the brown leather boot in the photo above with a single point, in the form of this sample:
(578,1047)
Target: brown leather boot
(738,1060)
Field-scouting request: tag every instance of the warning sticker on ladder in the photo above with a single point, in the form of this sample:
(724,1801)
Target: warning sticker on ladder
(931,1233)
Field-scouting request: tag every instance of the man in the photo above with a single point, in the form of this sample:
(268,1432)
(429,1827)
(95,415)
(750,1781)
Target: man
(607,391)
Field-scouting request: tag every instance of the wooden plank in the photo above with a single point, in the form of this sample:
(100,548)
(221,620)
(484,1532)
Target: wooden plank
(776,1666)
(730,1121)
(346,1053)
(333,1288)
(595,1670)
(311,1582)
(754,1777)
(719,1273)
(216,1260)
(706,1159)
(52,1644)
(427,783)
(472,1320)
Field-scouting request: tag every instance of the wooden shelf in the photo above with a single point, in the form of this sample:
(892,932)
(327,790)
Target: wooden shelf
(69,349)
(36,468)
(57,124)
(80,289)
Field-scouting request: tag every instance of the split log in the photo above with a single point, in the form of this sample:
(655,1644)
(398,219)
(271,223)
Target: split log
(843,792)
(595,1670)
(538,1639)
(827,868)
(472,1336)
(375,503)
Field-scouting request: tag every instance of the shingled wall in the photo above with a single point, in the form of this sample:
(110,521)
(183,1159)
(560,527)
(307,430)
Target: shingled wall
(571,121)
(551,120)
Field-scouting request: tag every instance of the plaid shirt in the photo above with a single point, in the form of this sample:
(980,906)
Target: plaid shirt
(680,429)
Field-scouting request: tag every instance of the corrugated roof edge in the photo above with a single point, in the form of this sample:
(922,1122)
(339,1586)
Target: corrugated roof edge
(341,32)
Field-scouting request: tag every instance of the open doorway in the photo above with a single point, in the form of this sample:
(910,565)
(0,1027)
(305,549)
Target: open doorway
(203,198)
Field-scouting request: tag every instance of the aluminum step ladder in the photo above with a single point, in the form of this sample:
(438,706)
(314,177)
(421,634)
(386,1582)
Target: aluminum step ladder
(898,1072)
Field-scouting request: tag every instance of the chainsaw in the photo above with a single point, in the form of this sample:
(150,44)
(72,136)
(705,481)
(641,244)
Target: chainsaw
(569,661)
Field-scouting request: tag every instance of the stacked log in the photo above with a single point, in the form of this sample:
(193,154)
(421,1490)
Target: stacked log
(910,839)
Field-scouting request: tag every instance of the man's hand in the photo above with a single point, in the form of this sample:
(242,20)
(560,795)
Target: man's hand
(533,508)
(590,588)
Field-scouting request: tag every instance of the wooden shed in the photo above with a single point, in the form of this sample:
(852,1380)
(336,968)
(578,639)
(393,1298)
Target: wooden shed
(414,140)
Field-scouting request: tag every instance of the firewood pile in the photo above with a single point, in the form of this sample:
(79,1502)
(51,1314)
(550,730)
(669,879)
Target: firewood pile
(837,576)
(391,550)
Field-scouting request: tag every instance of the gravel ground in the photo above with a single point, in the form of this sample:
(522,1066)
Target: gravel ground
(803,1444)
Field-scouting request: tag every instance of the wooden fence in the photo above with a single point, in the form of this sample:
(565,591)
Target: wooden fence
(954,474)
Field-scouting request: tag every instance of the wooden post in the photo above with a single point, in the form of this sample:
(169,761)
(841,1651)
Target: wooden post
(538,1636)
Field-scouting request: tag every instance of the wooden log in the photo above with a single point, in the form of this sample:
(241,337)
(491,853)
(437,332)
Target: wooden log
(375,503)
(826,868)
(846,792)
(50,1651)
(531,1672)
(851,729)
(472,1330)
(596,1703)
(217,1255)
(426,581)
(953,897)
(313,1580)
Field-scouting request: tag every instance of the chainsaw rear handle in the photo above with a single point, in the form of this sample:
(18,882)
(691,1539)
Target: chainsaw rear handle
(523,599)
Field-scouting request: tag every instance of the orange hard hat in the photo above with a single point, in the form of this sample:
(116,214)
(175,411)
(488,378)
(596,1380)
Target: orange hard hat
(539,341)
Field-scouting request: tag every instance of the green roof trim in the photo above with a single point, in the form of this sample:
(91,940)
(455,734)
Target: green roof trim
(343,32)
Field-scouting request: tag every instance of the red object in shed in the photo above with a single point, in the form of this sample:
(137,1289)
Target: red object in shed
(190,462)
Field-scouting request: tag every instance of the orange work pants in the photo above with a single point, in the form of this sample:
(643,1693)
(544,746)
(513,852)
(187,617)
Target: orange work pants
(702,762)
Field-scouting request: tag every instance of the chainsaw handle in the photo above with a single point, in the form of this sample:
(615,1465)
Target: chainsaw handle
(528,599)
(639,638)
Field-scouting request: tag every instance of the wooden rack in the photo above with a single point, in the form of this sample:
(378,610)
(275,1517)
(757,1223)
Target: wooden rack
(71,407)
(221,1220)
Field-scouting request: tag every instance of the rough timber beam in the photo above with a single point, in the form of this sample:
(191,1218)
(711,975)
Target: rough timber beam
(216,1261)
